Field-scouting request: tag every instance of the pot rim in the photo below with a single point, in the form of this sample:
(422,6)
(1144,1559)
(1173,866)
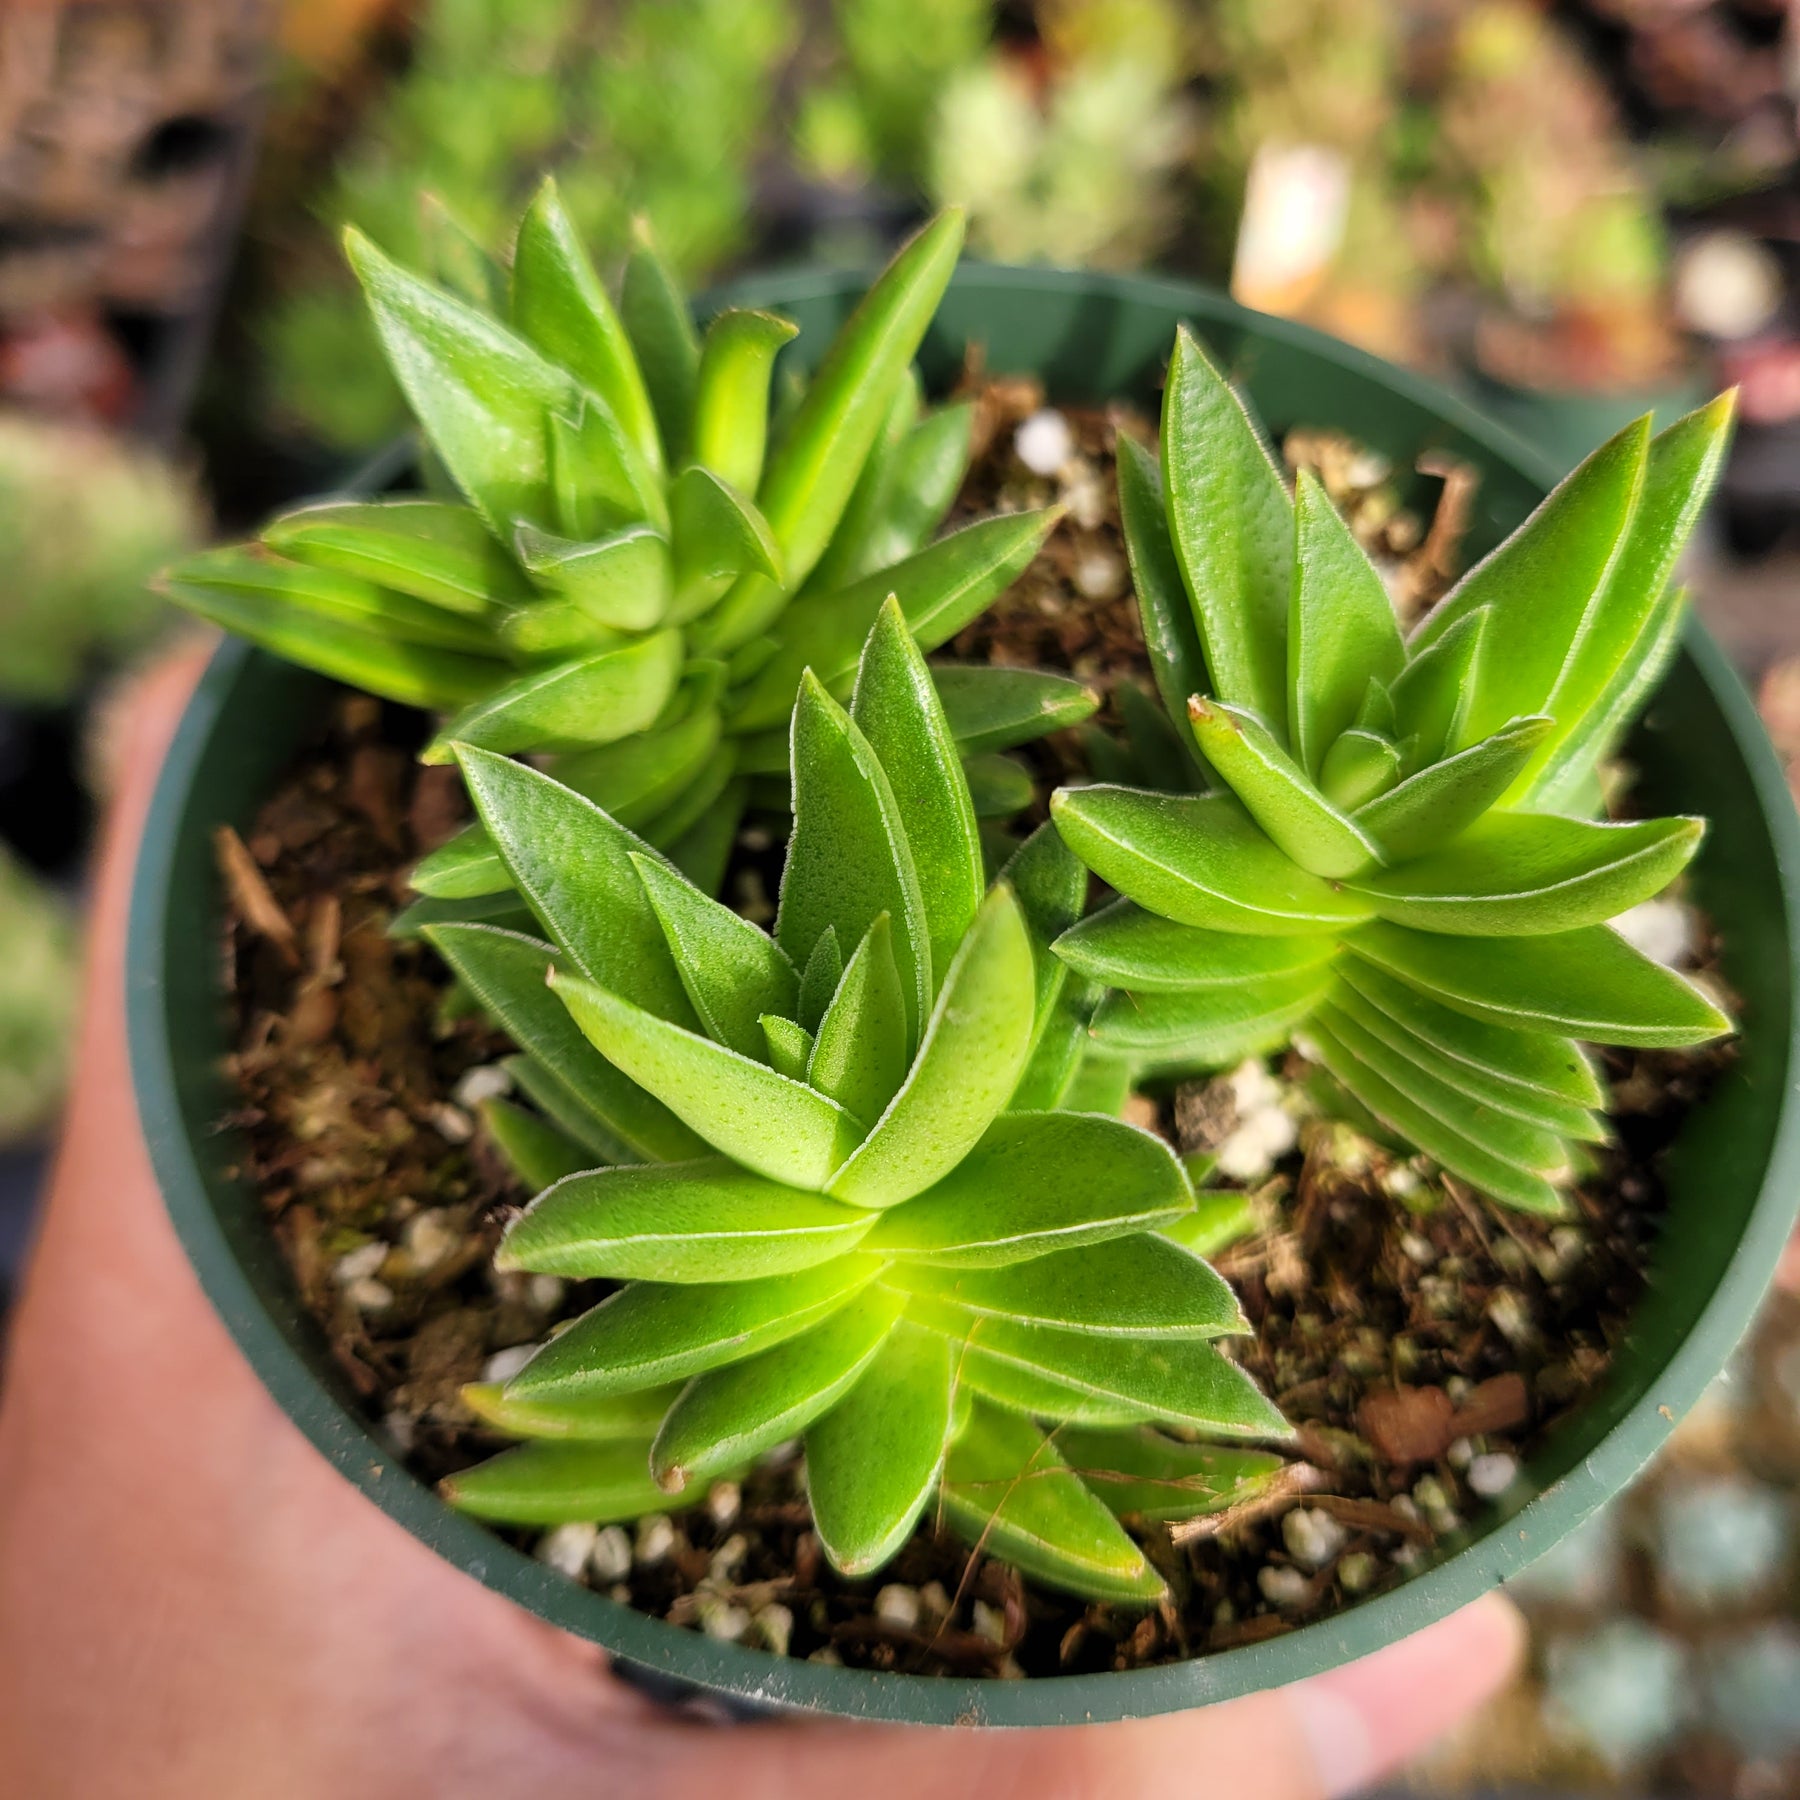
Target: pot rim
(765,1680)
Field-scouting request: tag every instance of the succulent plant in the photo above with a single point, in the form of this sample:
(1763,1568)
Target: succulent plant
(834,1199)
(84,524)
(1390,847)
(637,565)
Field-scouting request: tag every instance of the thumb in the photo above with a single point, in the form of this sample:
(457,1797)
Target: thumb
(1316,1740)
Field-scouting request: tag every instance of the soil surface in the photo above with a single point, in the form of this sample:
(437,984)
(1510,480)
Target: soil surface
(1421,1339)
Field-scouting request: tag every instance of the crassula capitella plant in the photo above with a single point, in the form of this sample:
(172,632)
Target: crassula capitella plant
(1392,850)
(639,537)
(832,1186)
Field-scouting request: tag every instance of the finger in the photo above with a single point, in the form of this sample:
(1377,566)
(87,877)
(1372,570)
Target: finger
(1320,1738)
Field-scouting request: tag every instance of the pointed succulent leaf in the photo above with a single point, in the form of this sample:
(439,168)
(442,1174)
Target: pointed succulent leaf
(1359,767)
(940,589)
(635,779)
(1501,1180)
(1007,1489)
(727,1416)
(1232,526)
(593,700)
(1501,1135)
(815,467)
(776,1126)
(731,397)
(1342,633)
(1483,1086)
(1170,635)
(332,594)
(1209,1027)
(1539,584)
(1018,1387)
(480,392)
(558,1484)
(1038,1182)
(849,554)
(1684,463)
(1134,1286)
(577,869)
(928,471)
(992,708)
(573,1116)
(598,481)
(872,1462)
(680,1222)
(1276,792)
(505,972)
(1434,805)
(430,549)
(999,786)
(1126,947)
(655,316)
(1050,884)
(456,258)
(624,581)
(602,1419)
(702,851)
(1538,1063)
(1219,1219)
(970,1057)
(538,1152)
(718,532)
(1183,1380)
(897,709)
(559,305)
(1140,1473)
(820,978)
(860,1057)
(1431,694)
(1588,984)
(848,859)
(1057,1053)
(649,1333)
(733,973)
(789,1047)
(1519,874)
(1571,775)
(464,867)
(693,803)
(1200,860)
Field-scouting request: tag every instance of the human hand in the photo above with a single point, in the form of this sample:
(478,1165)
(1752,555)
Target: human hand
(194,1604)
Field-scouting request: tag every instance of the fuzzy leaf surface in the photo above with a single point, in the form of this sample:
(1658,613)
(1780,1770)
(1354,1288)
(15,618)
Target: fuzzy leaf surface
(1431,807)
(1126,947)
(860,1056)
(1140,1473)
(991,708)
(558,1484)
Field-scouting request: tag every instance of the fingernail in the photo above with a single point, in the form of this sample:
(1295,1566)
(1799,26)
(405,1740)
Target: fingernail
(1368,1717)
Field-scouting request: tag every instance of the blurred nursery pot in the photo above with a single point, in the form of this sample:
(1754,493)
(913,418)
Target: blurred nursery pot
(1733,1175)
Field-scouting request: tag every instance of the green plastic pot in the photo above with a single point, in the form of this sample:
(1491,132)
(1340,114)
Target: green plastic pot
(1734,1175)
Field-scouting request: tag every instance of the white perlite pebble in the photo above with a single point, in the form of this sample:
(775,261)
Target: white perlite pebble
(773,1628)
(655,1538)
(451,1123)
(546,1292)
(430,1237)
(356,1265)
(722,1619)
(610,1558)
(1282,1587)
(724,1503)
(898,1606)
(1662,929)
(567,1548)
(1491,1475)
(369,1295)
(729,1557)
(1044,442)
(402,1430)
(1100,575)
(1261,1137)
(1356,1571)
(1313,1536)
(990,1622)
(486,1081)
(503,1365)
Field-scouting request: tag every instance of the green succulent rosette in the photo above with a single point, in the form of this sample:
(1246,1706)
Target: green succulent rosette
(1392,849)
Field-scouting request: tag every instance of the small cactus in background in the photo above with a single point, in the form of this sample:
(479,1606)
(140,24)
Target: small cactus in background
(1386,849)
(836,1203)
